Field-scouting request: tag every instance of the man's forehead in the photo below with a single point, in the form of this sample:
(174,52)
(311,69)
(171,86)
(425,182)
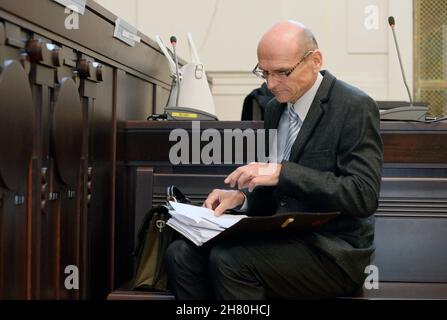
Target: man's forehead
(279,50)
(278,56)
(272,65)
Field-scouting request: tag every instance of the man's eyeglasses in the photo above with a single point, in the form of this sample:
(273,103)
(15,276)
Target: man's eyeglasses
(263,74)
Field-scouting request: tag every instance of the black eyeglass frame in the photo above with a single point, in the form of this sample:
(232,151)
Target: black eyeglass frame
(265,74)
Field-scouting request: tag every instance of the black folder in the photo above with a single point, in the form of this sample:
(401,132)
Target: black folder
(279,224)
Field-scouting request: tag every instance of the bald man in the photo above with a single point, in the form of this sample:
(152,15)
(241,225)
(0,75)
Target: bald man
(329,158)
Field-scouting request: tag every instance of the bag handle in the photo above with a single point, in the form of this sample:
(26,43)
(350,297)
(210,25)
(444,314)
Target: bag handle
(174,194)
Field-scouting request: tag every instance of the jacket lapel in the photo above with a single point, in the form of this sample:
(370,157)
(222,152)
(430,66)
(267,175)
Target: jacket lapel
(274,115)
(314,115)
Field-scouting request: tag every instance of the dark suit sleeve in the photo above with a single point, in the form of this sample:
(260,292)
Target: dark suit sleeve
(353,188)
(260,202)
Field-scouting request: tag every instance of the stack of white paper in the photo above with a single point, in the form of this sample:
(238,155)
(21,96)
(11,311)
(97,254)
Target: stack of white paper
(199,224)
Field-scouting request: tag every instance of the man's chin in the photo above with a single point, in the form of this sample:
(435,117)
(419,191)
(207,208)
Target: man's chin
(282,97)
(282,100)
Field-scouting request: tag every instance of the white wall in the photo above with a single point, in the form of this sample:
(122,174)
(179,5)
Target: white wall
(226,33)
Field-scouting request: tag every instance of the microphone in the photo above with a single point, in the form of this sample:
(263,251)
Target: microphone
(408,112)
(198,102)
(392,23)
(173,40)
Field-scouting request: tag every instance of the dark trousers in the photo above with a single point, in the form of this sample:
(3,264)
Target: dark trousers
(272,268)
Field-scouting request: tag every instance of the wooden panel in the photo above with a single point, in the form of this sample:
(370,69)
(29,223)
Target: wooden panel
(144,183)
(413,196)
(415,147)
(50,273)
(66,150)
(123,228)
(16,145)
(402,290)
(135,134)
(411,249)
(404,142)
(138,190)
(66,133)
(135,97)
(69,247)
(410,230)
(407,142)
(16,126)
(13,237)
(100,205)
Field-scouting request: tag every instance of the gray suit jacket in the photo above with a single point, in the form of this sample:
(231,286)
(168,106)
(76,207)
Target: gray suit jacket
(335,165)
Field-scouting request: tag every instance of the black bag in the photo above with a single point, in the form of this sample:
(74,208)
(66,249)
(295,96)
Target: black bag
(154,238)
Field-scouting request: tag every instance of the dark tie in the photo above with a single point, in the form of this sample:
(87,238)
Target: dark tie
(294,128)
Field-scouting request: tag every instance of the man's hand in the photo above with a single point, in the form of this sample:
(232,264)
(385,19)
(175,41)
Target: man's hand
(221,200)
(255,174)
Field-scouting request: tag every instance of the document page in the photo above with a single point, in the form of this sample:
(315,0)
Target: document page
(199,224)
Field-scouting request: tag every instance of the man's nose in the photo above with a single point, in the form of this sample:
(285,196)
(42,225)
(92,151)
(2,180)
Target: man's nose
(271,82)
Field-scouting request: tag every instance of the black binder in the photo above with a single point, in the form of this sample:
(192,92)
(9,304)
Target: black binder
(279,224)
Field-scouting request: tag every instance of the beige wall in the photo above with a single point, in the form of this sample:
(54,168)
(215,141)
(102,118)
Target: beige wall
(226,33)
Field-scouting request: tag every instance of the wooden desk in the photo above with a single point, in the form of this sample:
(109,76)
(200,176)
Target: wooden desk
(62,92)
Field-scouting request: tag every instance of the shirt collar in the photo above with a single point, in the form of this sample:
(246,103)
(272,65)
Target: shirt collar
(302,105)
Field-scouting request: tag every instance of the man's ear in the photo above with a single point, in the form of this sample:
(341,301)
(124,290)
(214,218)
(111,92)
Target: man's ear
(317,59)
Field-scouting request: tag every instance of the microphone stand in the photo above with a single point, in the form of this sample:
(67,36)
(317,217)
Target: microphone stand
(174,43)
(400,63)
(406,113)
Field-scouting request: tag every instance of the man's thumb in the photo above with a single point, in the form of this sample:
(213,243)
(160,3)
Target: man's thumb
(220,208)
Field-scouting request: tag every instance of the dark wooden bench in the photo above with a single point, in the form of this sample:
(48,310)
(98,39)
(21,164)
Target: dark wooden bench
(411,241)
(405,290)
(386,291)
(410,238)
